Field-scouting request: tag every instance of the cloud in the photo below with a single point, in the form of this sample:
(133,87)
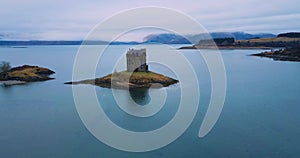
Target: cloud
(72,20)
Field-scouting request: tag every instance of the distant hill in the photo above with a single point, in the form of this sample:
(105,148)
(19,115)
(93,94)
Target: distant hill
(27,43)
(165,39)
(255,43)
(290,35)
(177,39)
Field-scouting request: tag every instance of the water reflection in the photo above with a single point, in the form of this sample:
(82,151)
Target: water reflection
(140,96)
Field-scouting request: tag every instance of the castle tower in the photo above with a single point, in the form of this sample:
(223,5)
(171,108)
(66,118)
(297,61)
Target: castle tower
(136,60)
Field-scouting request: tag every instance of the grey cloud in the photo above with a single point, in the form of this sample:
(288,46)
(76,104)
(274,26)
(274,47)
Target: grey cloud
(73,19)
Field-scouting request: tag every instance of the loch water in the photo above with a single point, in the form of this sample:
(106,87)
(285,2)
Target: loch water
(260,117)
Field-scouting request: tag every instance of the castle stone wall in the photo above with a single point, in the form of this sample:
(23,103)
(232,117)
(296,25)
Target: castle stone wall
(136,60)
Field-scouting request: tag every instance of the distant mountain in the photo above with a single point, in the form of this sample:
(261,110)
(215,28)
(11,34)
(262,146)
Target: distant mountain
(241,35)
(165,39)
(177,39)
(26,43)
(122,43)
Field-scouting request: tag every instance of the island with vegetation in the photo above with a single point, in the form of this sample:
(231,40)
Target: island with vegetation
(23,74)
(132,80)
(136,76)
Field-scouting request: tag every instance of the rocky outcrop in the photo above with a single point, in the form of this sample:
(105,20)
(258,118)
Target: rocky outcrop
(26,73)
(287,54)
(132,80)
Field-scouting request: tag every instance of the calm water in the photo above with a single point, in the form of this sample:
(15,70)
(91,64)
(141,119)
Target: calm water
(260,117)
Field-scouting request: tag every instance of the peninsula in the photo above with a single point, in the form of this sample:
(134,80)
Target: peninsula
(136,76)
(281,41)
(286,54)
(284,47)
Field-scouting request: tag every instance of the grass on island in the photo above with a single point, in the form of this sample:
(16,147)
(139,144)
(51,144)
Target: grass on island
(26,71)
(133,80)
(23,73)
(137,76)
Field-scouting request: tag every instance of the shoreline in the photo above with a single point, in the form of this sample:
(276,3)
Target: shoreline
(12,82)
(287,54)
(224,47)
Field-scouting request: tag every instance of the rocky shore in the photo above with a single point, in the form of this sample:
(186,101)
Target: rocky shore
(24,74)
(132,80)
(287,54)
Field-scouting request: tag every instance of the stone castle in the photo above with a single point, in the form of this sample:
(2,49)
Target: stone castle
(136,60)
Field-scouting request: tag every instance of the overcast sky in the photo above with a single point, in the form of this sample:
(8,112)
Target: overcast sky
(70,20)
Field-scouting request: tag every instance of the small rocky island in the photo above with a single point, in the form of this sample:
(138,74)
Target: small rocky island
(136,76)
(24,74)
